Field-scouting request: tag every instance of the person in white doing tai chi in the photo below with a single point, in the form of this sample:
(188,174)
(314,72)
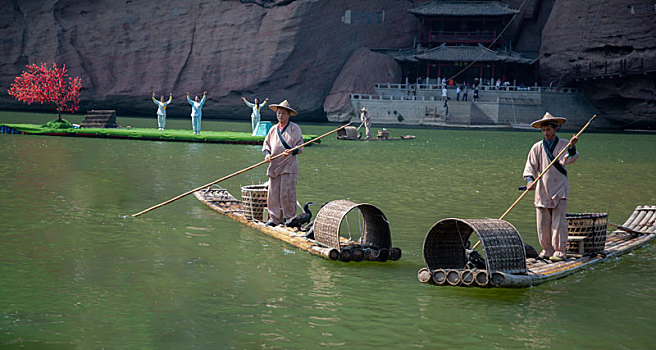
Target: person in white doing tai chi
(161,110)
(255,114)
(196,111)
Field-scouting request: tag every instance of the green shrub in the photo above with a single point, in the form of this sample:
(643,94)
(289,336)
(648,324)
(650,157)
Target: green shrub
(58,124)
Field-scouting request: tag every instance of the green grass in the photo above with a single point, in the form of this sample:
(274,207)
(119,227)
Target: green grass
(147,134)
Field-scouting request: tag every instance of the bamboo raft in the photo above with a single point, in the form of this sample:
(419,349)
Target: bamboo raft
(375,243)
(350,133)
(506,265)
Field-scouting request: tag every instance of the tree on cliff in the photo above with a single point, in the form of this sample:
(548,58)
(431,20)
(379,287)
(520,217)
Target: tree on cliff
(48,85)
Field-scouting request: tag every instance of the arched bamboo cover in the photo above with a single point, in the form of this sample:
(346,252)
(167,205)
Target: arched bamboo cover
(444,245)
(376,230)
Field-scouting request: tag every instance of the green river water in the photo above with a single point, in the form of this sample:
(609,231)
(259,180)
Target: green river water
(78,272)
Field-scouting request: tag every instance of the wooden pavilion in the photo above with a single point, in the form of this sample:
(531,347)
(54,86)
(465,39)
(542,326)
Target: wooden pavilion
(465,35)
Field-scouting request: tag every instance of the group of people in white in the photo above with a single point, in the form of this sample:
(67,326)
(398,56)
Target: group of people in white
(197,111)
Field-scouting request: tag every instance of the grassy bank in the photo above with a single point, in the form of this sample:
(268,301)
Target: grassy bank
(143,134)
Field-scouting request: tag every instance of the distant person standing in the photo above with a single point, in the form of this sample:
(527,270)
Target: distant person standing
(366,121)
(255,114)
(458,91)
(446,108)
(444,93)
(475,94)
(465,91)
(161,110)
(498,84)
(196,111)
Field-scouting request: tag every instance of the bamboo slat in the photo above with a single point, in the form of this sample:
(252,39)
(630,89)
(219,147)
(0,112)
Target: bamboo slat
(632,217)
(646,222)
(636,222)
(424,275)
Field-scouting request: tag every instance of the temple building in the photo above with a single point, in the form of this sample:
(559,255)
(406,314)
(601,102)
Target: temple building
(465,39)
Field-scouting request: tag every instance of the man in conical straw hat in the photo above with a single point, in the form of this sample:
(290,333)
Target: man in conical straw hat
(282,171)
(366,120)
(552,190)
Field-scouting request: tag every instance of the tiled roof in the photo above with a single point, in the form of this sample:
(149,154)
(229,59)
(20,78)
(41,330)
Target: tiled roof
(464,54)
(463,8)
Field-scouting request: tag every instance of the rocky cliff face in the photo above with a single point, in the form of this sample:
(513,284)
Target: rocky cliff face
(311,52)
(363,69)
(609,48)
(123,50)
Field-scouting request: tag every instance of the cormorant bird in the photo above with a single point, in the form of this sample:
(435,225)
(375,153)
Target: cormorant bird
(308,229)
(474,259)
(530,251)
(302,218)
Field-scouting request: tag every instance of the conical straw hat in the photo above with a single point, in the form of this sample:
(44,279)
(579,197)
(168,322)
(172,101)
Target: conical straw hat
(284,104)
(548,118)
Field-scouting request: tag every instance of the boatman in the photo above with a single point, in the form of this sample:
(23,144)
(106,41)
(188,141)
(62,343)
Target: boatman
(366,121)
(282,171)
(255,114)
(196,111)
(552,190)
(161,110)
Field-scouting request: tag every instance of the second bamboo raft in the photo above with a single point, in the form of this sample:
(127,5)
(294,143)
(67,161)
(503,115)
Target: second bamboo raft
(375,244)
(506,265)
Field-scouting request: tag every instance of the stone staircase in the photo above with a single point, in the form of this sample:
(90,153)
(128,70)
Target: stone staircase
(459,113)
(100,119)
(483,114)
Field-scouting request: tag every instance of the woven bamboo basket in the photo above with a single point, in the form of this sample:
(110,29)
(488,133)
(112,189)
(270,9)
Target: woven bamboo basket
(376,240)
(254,201)
(592,226)
(348,133)
(444,245)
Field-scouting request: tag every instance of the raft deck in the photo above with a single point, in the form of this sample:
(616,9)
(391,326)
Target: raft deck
(220,200)
(540,271)
(170,135)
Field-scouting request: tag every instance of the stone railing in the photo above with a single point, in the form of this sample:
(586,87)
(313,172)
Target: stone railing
(392,97)
(405,88)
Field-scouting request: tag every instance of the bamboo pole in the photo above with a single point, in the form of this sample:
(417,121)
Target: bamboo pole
(439,276)
(453,277)
(345,255)
(467,277)
(235,173)
(395,254)
(357,254)
(542,173)
(424,275)
(481,278)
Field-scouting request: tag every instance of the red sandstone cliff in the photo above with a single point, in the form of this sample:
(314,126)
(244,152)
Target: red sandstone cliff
(608,47)
(123,50)
(312,52)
